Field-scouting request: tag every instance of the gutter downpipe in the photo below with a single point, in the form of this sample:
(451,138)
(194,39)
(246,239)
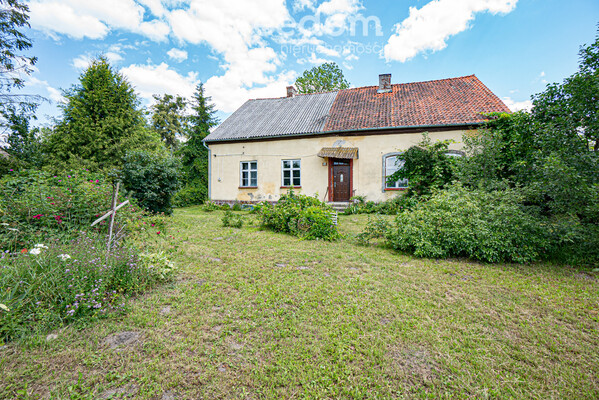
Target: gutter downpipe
(209,170)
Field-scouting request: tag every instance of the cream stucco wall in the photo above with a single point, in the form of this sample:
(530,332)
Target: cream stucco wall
(367,169)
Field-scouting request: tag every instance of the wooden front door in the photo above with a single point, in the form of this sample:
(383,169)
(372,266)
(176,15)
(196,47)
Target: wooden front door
(341,179)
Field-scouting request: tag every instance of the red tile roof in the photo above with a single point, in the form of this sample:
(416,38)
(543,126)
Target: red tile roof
(443,102)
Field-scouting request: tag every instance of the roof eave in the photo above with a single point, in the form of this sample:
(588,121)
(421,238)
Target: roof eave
(344,131)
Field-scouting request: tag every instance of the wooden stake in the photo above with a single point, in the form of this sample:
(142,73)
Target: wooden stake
(113,209)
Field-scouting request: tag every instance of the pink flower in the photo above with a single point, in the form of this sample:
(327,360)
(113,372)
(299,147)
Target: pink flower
(97,181)
(158,233)
(153,224)
(38,216)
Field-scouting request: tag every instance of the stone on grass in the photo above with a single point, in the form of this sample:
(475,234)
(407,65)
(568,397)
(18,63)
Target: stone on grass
(168,396)
(51,337)
(165,310)
(122,339)
(125,392)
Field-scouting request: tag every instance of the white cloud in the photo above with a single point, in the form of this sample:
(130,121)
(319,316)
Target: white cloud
(517,105)
(82,62)
(54,94)
(177,54)
(230,97)
(299,5)
(331,52)
(93,19)
(428,28)
(236,30)
(159,79)
(332,7)
(313,59)
(60,18)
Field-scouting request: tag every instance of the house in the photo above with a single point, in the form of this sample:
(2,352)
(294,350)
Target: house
(338,144)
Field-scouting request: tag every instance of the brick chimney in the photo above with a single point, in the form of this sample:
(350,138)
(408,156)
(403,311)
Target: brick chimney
(291,92)
(384,83)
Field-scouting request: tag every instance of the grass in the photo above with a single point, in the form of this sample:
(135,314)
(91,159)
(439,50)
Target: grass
(256,314)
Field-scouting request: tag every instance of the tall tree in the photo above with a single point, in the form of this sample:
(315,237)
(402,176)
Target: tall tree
(168,119)
(14,65)
(573,106)
(194,155)
(101,121)
(323,78)
(24,142)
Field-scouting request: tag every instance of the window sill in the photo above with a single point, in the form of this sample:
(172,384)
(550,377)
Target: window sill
(395,189)
(291,187)
(248,187)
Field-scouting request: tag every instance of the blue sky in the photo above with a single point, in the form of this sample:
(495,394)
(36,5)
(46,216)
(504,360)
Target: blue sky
(243,49)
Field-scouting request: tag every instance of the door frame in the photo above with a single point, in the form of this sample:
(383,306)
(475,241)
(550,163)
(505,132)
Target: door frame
(351,178)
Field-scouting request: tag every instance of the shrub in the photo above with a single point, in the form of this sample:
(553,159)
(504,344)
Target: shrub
(158,265)
(35,206)
(152,179)
(210,206)
(487,226)
(300,215)
(390,207)
(190,195)
(232,220)
(48,285)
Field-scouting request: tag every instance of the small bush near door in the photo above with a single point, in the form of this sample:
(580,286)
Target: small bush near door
(300,215)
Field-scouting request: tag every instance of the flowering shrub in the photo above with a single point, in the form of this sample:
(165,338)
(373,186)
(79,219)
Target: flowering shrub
(52,284)
(158,265)
(35,206)
(300,215)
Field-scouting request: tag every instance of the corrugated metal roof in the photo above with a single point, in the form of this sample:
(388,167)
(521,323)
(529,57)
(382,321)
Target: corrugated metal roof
(259,118)
(445,102)
(339,152)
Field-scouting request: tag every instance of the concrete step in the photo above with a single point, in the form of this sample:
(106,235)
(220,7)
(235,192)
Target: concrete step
(339,205)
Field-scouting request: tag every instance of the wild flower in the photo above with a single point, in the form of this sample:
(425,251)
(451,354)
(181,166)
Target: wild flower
(38,216)
(35,251)
(64,257)
(40,246)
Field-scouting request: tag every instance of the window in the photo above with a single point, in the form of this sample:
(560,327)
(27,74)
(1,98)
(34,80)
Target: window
(249,174)
(392,163)
(454,153)
(291,173)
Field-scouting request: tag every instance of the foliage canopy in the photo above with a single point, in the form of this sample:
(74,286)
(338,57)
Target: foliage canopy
(323,78)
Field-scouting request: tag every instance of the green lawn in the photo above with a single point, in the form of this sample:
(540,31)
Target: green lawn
(254,314)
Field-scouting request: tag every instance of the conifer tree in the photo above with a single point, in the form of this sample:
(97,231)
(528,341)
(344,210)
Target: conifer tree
(101,121)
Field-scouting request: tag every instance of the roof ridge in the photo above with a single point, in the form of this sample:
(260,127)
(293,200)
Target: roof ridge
(370,86)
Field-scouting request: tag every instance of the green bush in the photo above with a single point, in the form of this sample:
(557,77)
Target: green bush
(50,284)
(209,206)
(232,220)
(35,206)
(300,215)
(190,195)
(392,206)
(487,226)
(152,179)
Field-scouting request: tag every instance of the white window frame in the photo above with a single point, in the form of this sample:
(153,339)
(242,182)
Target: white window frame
(400,184)
(248,168)
(291,170)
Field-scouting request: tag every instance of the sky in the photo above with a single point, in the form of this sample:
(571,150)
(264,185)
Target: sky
(245,49)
